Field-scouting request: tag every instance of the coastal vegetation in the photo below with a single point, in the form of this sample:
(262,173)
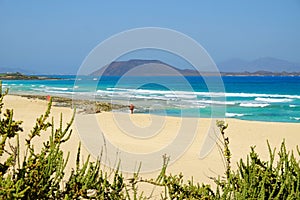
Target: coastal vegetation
(85,106)
(20,76)
(41,174)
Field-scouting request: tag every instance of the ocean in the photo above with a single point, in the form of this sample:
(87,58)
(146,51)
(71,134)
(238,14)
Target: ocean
(261,98)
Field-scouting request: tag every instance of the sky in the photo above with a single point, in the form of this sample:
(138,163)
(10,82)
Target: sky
(54,37)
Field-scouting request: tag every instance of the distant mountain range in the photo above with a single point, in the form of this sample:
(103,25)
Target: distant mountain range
(264,65)
(259,67)
(260,64)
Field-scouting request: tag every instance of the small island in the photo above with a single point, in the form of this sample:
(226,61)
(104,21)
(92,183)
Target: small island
(119,68)
(19,76)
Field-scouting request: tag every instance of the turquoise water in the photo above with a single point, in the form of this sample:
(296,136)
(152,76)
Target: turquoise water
(250,98)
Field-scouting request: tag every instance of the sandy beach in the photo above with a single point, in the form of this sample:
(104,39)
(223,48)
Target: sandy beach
(242,135)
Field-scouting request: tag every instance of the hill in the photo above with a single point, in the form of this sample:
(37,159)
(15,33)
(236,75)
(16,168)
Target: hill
(142,68)
(159,68)
(261,64)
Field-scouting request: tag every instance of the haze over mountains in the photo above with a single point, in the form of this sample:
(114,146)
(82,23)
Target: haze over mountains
(236,65)
(260,64)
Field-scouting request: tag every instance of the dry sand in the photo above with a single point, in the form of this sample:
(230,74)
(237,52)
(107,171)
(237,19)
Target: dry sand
(115,128)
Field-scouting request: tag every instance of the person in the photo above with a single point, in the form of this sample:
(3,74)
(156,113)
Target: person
(131,108)
(48,97)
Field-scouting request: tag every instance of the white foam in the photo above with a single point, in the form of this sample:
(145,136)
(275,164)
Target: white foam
(186,96)
(57,88)
(293,106)
(201,106)
(216,102)
(254,105)
(104,92)
(37,89)
(183,96)
(207,94)
(296,118)
(273,100)
(221,94)
(234,114)
(151,97)
(59,92)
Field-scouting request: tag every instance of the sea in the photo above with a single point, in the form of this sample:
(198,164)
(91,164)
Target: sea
(256,98)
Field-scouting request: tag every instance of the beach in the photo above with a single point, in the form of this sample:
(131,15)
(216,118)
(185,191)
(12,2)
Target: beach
(242,134)
(247,98)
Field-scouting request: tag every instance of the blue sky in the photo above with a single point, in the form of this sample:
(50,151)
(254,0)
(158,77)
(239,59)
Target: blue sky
(55,36)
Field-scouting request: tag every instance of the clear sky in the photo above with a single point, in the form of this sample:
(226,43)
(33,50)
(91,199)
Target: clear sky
(55,36)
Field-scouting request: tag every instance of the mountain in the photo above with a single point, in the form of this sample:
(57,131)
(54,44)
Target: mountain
(137,67)
(260,64)
(234,67)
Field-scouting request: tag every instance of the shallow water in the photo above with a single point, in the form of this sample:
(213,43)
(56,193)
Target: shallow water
(251,98)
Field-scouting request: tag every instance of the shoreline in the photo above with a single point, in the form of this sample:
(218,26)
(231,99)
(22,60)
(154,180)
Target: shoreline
(95,106)
(84,106)
(255,99)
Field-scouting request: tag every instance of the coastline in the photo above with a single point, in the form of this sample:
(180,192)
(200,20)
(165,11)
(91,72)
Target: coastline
(242,134)
(84,106)
(251,98)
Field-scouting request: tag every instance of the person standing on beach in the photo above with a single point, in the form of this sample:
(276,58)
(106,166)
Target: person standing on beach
(131,108)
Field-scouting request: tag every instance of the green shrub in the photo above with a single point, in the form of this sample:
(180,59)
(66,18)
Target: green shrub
(258,179)
(39,175)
